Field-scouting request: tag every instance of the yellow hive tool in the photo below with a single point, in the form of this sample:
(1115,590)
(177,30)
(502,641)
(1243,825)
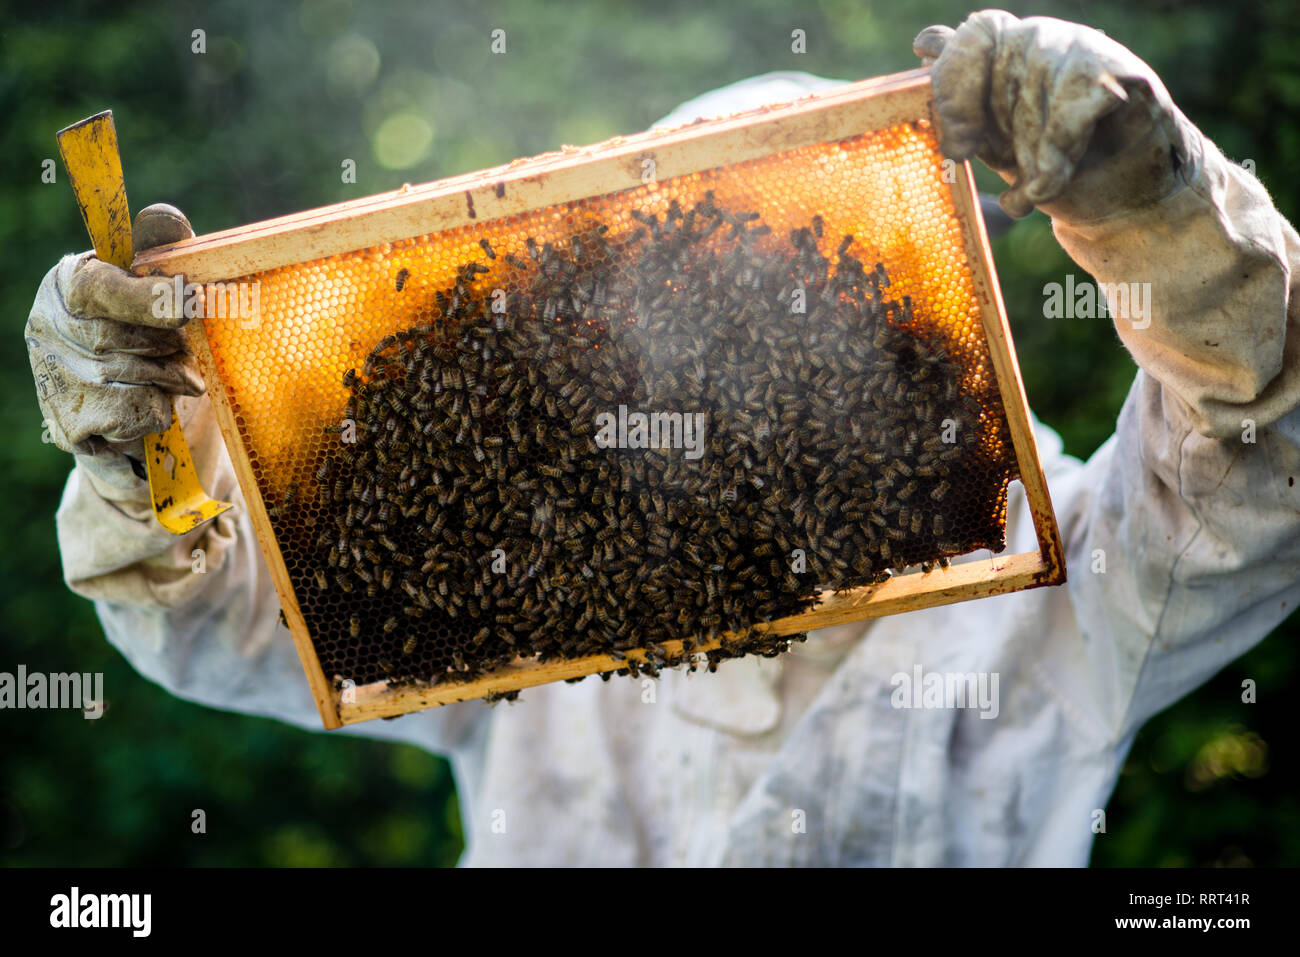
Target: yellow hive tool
(89,150)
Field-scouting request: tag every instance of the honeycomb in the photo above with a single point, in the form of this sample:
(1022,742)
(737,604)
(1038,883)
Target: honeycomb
(421,417)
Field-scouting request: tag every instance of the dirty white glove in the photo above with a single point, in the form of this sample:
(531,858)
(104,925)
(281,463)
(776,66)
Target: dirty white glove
(105,361)
(1075,122)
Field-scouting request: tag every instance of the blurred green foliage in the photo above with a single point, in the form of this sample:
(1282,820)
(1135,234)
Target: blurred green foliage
(258,126)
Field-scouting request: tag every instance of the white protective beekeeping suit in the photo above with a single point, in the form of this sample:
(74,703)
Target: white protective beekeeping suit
(804,759)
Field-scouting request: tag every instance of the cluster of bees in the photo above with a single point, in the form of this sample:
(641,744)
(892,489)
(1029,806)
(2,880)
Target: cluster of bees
(476,518)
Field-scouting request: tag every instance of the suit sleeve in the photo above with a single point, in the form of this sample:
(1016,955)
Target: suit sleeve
(1183,531)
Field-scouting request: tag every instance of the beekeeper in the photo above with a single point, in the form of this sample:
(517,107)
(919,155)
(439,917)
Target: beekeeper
(1182,534)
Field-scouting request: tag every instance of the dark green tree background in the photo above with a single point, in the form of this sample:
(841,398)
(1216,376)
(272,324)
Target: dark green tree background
(259,124)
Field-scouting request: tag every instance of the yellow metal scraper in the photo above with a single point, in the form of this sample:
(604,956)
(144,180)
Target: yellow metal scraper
(89,150)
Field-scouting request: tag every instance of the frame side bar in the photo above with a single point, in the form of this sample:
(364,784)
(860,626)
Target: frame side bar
(1015,402)
(321,690)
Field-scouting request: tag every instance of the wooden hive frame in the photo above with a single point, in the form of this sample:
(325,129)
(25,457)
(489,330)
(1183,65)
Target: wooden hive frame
(573,174)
